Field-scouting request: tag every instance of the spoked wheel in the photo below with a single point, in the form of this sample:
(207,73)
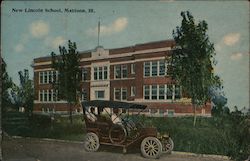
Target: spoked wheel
(117,134)
(151,147)
(91,142)
(168,145)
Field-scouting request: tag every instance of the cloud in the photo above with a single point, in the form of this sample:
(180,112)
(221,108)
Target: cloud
(236,56)
(59,40)
(218,47)
(39,29)
(231,39)
(19,47)
(55,42)
(117,26)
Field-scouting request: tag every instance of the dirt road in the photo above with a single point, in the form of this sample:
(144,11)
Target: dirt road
(20,149)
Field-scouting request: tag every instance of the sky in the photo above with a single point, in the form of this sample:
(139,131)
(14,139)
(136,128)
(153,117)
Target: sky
(28,35)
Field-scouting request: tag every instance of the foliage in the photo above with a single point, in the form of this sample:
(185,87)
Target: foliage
(23,95)
(191,64)
(69,74)
(239,132)
(6,85)
(41,126)
(205,138)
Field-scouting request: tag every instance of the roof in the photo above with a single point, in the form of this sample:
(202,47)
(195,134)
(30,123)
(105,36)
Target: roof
(112,104)
(133,48)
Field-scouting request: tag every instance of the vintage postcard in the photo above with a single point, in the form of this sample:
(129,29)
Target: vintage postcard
(112,80)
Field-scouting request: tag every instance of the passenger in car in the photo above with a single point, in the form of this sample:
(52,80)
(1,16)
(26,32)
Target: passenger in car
(115,117)
(91,115)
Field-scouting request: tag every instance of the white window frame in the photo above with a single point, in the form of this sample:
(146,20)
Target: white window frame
(132,68)
(50,93)
(84,74)
(121,67)
(97,94)
(100,70)
(150,63)
(132,91)
(121,90)
(158,92)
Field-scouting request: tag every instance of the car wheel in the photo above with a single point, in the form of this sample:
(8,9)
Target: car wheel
(91,142)
(117,134)
(151,147)
(168,145)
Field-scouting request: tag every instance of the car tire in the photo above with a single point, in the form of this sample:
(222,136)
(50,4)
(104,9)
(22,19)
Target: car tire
(151,147)
(91,142)
(168,146)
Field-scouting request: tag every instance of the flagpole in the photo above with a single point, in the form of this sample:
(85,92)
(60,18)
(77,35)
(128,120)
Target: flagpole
(98,32)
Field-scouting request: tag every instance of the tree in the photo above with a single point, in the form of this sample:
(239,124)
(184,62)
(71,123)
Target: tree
(219,108)
(191,64)
(5,102)
(6,85)
(23,95)
(69,74)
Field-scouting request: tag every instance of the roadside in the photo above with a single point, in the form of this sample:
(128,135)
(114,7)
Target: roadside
(32,149)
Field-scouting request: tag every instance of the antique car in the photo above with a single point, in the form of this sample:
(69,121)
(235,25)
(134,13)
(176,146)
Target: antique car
(125,134)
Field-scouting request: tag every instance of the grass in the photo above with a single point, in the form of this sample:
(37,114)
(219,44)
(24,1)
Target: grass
(208,137)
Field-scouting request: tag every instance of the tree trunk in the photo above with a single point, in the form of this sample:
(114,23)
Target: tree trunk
(194,108)
(70,113)
(1,132)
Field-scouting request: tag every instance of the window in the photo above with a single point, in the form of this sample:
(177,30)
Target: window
(54,95)
(162,92)
(120,94)
(155,68)
(101,73)
(177,92)
(41,96)
(132,68)
(45,75)
(133,91)
(154,92)
(169,91)
(146,92)
(41,77)
(84,74)
(55,76)
(124,71)
(50,95)
(105,72)
(162,67)
(146,68)
(99,94)
(121,71)
(45,96)
(117,94)
(95,73)
(124,93)
(50,76)
(84,95)
(117,71)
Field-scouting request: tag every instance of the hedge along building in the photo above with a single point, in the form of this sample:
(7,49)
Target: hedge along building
(136,74)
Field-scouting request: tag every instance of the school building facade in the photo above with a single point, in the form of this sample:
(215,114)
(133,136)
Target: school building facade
(136,74)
